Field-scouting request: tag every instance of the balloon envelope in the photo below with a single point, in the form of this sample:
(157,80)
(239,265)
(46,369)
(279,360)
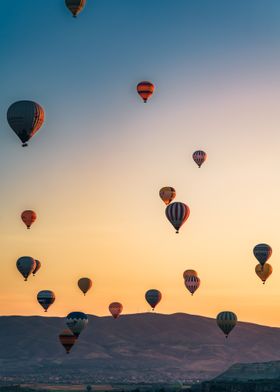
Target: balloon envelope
(199,157)
(76,322)
(28,217)
(189,272)
(264,271)
(192,283)
(115,308)
(84,284)
(153,297)
(25,118)
(75,6)
(26,265)
(67,339)
(262,253)
(145,90)
(38,266)
(226,321)
(167,194)
(177,213)
(46,298)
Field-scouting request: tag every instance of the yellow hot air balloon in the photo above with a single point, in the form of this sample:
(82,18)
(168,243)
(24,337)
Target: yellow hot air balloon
(84,284)
(189,272)
(264,271)
(167,194)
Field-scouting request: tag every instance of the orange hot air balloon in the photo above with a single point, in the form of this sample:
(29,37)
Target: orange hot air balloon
(28,217)
(264,271)
(67,339)
(192,283)
(189,272)
(84,284)
(75,6)
(115,308)
(145,90)
(167,194)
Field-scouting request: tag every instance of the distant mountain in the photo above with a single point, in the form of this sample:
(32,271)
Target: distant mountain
(251,371)
(137,347)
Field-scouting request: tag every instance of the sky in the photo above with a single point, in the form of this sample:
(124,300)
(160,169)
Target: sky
(94,170)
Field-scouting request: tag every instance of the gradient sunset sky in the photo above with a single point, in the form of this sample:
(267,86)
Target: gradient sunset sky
(94,170)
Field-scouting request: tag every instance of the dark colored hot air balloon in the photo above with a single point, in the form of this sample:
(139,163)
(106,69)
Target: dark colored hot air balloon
(46,298)
(28,217)
(25,118)
(84,284)
(115,308)
(75,6)
(167,194)
(177,213)
(199,157)
(67,339)
(192,283)
(76,322)
(153,297)
(189,272)
(26,265)
(264,271)
(226,321)
(38,266)
(262,253)
(145,90)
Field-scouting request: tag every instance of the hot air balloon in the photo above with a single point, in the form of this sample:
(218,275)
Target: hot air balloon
(84,284)
(264,271)
(67,339)
(26,265)
(226,321)
(167,194)
(46,298)
(115,308)
(38,266)
(262,253)
(177,213)
(189,272)
(76,322)
(199,157)
(75,6)
(192,283)
(153,297)
(28,217)
(25,118)
(145,90)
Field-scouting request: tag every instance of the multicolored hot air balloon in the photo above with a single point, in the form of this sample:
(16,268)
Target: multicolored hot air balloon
(28,217)
(145,90)
(177,213)
(115,309)
(192,283)
(26,265)
(38,266)
(153,297)
(189,272)
(199,157)
(84,284)
(226,321)
(67,339)
(262,253)
(25,118)
(76,322)
(264,271)
(46,298)
(75,6)
(167,194)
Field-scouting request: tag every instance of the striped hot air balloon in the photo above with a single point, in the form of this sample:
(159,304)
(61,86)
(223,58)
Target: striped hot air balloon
(262,253)
(153,297)
(177,213)
(192,283)
(46,298)
(199,157)
(226,321)
(115,309)
(167,194)
(145,90)
(25,118)
(67,339)
(75,6)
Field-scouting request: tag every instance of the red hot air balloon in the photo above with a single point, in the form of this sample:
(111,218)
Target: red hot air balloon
(177,213)
(38,266)
(199,157)
(75,6)
(192,283)
(28,217)
(115,308)
(145,90)
(67,339)
(153,297)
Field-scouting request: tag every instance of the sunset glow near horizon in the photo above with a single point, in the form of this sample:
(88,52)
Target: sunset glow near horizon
(94,170)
